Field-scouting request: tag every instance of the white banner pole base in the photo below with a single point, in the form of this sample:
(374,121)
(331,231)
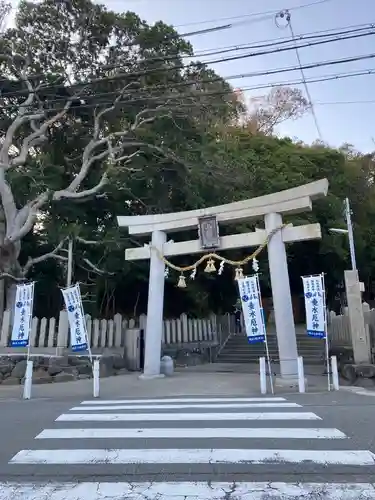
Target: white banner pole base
(335,374)
(262,373)
(28,380)
(95,371)
(301,375)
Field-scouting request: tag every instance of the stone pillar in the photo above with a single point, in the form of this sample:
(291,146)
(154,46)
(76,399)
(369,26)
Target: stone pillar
(282,302)
(360,340)
(154,323)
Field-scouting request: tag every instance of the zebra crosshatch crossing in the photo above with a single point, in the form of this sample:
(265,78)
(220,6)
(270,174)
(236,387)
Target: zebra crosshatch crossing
(171,447)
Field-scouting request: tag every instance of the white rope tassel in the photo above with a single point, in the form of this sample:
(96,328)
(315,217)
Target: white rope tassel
(255,265)
(221,268)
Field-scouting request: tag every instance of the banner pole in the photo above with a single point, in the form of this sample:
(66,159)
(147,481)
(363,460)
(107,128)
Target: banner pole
(326,332)
(265,334)
(269,364)
(30,321)
(84,320)
(323,331)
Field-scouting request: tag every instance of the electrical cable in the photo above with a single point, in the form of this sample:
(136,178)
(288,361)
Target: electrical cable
(130,74)
(270,13)
(278,42)
(288,18)
(159,99)
(332,31)
(351,34)
(266,16)
(256,45)
(334,103)
(261,73)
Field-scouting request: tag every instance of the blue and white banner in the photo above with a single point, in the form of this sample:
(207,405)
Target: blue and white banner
(77,323)
(313,289)
(23,312)
(252,309)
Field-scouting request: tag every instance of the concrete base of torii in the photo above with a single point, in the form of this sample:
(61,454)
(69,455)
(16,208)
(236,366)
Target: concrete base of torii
(288,381)
(144,376)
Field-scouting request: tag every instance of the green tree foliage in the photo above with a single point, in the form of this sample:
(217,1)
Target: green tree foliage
(123,112)
(187,142)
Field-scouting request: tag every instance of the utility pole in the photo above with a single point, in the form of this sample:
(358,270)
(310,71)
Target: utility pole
(348,231)
(70,263)
(349,225)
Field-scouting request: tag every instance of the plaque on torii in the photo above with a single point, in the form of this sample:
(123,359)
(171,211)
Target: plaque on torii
(208,232)
(271,207)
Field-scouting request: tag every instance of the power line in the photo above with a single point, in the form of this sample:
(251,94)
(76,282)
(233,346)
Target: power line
(260,44)
(284,49)
(279,41)
(270,14)
(317,79)
(158,100)
(288,19)
(272,72)
(266,15)
(190,33)
(350,35)
(127,75)
(203,51)
(231,77)
(332,31)
(334,103)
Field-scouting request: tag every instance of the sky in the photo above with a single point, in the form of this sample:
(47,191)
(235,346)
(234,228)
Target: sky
(342,108)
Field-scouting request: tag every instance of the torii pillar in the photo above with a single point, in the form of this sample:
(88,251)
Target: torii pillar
(271,207)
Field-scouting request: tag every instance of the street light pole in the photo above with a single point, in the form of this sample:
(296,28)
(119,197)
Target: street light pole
(348,217)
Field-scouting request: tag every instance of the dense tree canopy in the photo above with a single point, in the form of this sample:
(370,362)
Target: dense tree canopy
(169,135)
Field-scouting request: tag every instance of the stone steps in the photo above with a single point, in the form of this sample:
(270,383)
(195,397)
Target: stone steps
(238,350)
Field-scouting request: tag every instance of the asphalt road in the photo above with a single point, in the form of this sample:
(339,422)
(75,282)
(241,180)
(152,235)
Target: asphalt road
(155,449)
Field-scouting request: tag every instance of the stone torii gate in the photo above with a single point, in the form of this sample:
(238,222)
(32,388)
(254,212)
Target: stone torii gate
(271,207)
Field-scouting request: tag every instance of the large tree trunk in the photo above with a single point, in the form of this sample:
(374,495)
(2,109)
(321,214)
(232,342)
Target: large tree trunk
(2,284)
(9,253)
(11,295)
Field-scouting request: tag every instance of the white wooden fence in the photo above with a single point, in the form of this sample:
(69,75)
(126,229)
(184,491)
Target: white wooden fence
(111,333)
(339,326)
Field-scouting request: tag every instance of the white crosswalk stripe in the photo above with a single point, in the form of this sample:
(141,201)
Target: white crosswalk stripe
(188,456)
(187,491)
(180,433)
(165,433)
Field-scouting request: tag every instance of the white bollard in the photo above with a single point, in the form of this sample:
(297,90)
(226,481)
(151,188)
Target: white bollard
(335,374)
(262,373)
(28,380)
(301,375)
(95,372)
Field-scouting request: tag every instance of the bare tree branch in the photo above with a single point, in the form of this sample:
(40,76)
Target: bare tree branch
(95,268)
(50,255)
(26,218)
(38,136)
(268,111)
(88,242)
(113,149)
(12,277)
(89,157)
(58,195)
(110,109)
(127,158)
